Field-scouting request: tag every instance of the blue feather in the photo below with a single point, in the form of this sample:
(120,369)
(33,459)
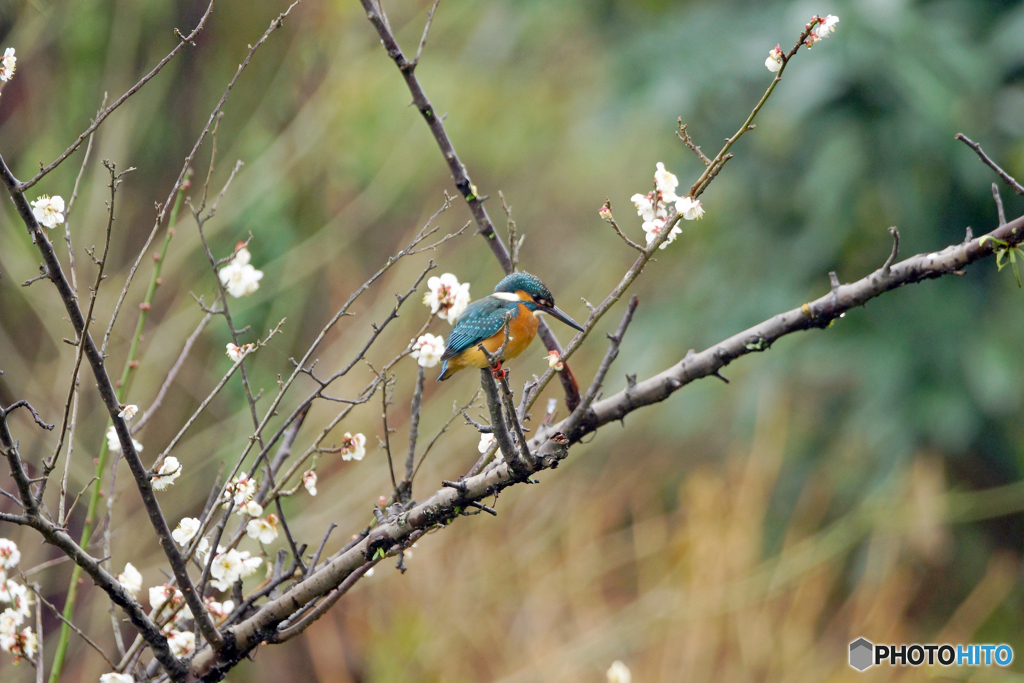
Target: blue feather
(481,320)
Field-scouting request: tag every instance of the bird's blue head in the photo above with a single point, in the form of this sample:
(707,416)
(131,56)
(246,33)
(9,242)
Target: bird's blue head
(534,294)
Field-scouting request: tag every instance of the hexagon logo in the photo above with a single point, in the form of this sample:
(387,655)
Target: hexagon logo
(861,654)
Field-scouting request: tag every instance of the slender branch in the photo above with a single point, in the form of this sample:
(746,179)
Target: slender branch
(172,374)
(405,488)
(121,100)
(999,204)
(460,175)
(35,416)
(1007,178)
(87,639)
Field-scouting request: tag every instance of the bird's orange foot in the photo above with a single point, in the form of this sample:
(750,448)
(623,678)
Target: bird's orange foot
(498,372)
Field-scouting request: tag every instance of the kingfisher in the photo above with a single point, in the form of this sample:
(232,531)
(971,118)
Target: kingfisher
(519,298)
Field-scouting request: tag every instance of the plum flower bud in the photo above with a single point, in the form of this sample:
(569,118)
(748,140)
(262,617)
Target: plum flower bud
(485,442)
(428,350)
(239,277)
(774,61)
(236,353)
(185,530)
(131,580)
(555,361)
(252,508)
(309,481)
(447,297)
(168,472)
(689,208)
(49,211)
(619,673)
(353,447)
(605,212)
(7,65)
(128,412)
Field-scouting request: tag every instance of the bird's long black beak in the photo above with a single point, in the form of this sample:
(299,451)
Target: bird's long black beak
(557,313)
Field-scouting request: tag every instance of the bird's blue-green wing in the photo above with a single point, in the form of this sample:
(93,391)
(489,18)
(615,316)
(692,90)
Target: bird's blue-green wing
(481,319)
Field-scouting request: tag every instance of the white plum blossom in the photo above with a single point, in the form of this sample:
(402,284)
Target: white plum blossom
(232,566)
(447,297)
(116,678)
(239,277)
(236,353)
(689,208)
(309,481)
(168,472)
(10,620)
(114,444)
(241,491)
(353,447)
(666,183)
(131,580)
(774,61)
(160,595)
(654,228)
(265,530)
(49,211)
(128,412)
(644,204)
(485,442)
(619,673)
(554,361)
(181,643)
(18,596)
(826,26)
(10,556)
(219,611)
(204,548)
(8,64)
(428,350)
(186,530)
(653,206)
(22,644)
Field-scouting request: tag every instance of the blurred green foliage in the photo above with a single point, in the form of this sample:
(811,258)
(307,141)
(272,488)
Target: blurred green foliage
(561,104)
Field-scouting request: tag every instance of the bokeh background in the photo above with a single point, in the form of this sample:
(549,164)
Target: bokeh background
(857,481)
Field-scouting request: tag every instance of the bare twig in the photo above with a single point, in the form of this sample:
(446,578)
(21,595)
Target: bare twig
(21,187)
(87,639)
(1007,178)
(999,204)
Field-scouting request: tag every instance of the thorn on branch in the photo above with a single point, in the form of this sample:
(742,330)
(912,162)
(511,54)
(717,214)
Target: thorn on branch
(999,204)
(895,250)
(481,506)
(720,376)
(459,486)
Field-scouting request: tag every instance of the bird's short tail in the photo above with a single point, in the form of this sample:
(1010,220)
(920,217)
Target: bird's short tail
(445,373)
